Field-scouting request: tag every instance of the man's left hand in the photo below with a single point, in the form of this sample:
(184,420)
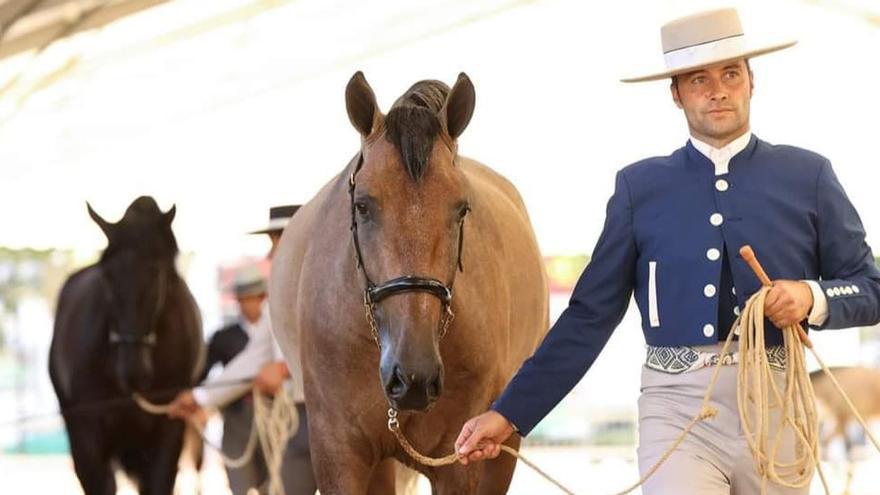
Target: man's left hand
(271,377)
(788,302)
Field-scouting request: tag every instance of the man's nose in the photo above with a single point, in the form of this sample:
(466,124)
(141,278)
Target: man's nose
(718,95)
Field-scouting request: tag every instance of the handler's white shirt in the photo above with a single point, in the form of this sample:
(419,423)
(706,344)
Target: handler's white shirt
(260,350)
(721,158)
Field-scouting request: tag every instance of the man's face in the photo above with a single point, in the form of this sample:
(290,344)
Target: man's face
(274,236)
(715,101)
(251,307)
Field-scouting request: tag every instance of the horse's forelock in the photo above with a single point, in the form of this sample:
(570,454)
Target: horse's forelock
(412,130)
(413,124)
(429,94)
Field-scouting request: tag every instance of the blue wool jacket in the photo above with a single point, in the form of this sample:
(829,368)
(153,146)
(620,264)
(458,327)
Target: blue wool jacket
(667,222)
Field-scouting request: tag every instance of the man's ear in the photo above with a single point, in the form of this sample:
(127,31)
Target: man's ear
(673,88)
(751,84)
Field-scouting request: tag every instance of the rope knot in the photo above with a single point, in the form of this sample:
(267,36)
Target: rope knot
(708,412)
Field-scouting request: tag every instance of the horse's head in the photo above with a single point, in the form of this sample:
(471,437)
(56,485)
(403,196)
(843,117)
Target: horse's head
(136,269)
(409,199)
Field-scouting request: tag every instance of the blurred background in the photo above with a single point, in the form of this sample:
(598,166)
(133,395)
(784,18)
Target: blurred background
(226,107)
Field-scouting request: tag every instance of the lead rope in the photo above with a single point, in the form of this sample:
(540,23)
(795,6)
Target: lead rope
(272,425)
(754,385)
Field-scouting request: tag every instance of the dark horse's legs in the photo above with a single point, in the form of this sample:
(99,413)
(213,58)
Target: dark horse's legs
(90,456)
(158,472)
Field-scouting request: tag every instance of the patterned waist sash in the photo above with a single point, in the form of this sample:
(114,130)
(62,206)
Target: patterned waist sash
(684,359)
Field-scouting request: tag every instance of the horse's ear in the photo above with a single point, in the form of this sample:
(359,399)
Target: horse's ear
(459,106)
(106,226)
(360,102)
(169,215)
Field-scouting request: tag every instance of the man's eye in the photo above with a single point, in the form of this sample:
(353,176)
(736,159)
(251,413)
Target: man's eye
(698,80)
(731,74)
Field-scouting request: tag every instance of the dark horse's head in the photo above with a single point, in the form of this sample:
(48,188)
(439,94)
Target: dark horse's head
(409,200)
(136,270)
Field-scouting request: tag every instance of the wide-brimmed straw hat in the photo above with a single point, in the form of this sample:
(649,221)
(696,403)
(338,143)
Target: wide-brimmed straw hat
(249,281)
(704,39)
(278,218)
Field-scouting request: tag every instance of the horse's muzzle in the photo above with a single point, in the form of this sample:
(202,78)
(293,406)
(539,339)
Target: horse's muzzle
(411,390)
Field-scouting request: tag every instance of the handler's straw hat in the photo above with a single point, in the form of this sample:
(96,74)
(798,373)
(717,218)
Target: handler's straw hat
(278,218)
(704,39)
(249,281)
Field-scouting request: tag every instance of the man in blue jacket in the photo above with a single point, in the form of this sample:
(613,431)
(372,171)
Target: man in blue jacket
(672,234)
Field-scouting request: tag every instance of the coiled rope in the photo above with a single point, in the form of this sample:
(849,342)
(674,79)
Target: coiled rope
(275,421)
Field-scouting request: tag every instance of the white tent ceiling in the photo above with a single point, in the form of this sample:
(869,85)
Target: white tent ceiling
(229,106)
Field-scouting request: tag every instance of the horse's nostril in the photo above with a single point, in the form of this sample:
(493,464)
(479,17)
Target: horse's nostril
(401,376)
(435,387)
(398,385)
(397,389)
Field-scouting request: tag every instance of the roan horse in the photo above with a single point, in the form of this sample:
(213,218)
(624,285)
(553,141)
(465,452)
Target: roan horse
(390,234)
(861,384)
(125,324)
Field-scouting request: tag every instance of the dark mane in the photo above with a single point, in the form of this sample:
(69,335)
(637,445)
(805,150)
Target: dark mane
(144,229)
(413,124)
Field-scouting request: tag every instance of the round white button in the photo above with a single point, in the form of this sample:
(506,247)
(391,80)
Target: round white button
(733,290)
(708,330)
(830,292)
(716,219)
(713,254)
(855,289)
(709,290)
(837,291)
(736,310)
(847,290)
(721,185)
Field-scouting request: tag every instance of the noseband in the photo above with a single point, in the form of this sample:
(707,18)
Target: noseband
(376,293)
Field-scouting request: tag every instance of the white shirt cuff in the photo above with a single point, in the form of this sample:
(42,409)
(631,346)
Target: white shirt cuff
(819,313)
(200,395)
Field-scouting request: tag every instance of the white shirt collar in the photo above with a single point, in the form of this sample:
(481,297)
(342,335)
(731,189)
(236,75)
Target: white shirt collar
(721,156)
(252,328)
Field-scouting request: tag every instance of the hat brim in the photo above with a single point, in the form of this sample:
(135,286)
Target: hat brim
(750,53)
(276,225)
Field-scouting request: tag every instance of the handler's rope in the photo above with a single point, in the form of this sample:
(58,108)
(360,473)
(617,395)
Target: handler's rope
(757,396)
(231,462)
(275,423)
(272,426)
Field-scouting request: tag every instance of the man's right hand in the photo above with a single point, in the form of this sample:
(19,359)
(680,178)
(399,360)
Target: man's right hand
(183,406)
(481,437)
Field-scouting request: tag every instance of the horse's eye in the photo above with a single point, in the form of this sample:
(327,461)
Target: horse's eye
(361,208)
(464,210)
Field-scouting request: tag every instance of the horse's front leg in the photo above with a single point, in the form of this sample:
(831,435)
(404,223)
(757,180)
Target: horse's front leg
(498,472)
(455,479)
(384,479)
(343,461)
(90,457)
(159,473)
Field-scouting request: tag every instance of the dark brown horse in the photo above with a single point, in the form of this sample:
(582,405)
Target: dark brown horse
(423,230)
(125,324)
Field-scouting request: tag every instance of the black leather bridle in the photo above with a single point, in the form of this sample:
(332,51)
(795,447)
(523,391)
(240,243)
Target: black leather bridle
(376,293)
